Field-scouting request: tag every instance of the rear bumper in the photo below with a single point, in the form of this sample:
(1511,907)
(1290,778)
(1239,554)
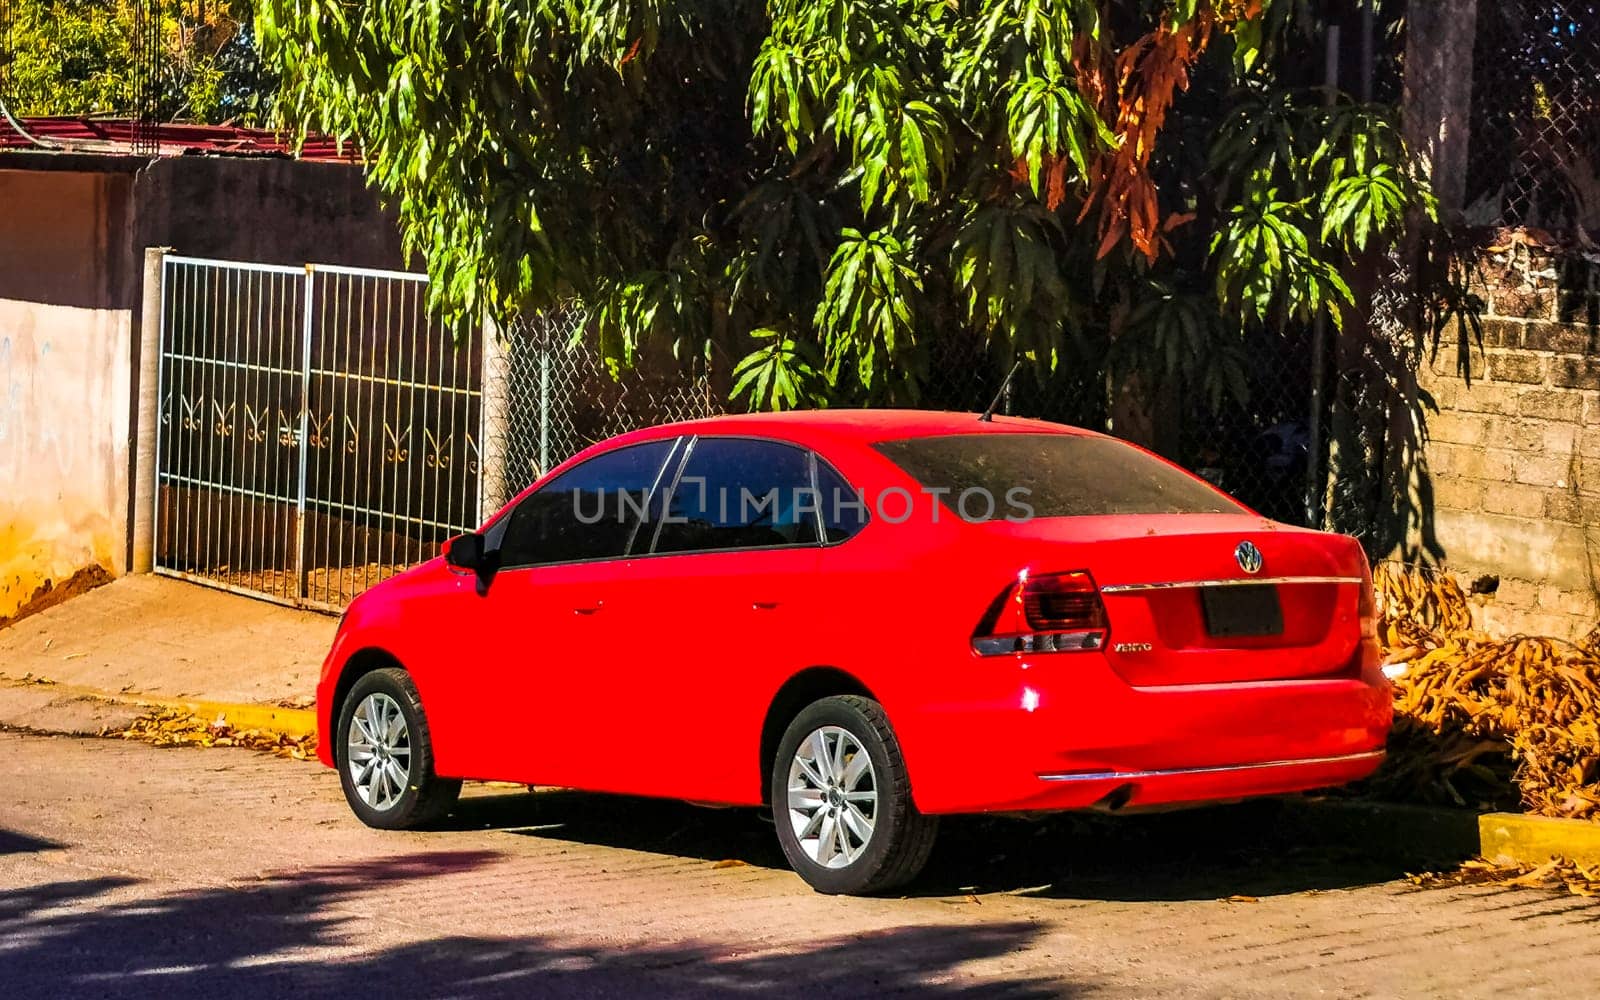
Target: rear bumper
(1132,789)
(1065,732)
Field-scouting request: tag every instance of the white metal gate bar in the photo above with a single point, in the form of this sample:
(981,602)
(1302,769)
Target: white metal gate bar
(395,414)
(319,430)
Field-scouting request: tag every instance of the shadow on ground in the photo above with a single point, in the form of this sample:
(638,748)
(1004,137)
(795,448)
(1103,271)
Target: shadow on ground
(303,933)
(1259,848)
(12,842)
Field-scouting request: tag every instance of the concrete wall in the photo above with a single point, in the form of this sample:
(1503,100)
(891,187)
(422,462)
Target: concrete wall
(72,234)
(268,211)
(1515,450)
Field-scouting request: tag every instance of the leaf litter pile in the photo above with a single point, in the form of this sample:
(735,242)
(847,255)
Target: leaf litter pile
(171,727)
(1481,722)
(1488,723)
(1557,873)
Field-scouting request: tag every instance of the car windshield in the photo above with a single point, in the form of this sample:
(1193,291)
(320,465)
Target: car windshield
(1063,475)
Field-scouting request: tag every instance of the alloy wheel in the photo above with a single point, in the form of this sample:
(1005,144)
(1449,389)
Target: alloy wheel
(833,797)
(379,751)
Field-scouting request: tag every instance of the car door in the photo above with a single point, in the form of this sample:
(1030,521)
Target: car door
(547,618)
(723,604)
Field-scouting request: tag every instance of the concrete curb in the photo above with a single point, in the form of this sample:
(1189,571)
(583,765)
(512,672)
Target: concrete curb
(1438,836)
(1536,839)
(41,703)
(294,722)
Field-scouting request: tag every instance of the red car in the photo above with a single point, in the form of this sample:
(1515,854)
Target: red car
(864,620)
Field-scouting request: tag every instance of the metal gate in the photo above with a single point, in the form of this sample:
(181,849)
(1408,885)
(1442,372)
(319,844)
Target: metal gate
(319,430)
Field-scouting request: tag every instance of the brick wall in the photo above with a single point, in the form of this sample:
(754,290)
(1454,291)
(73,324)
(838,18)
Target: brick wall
(1514,451)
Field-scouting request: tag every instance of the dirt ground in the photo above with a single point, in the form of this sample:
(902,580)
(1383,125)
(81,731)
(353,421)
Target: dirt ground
(132,871)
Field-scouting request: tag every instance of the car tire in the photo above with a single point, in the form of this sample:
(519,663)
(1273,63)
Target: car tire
(385,755)
(846,827)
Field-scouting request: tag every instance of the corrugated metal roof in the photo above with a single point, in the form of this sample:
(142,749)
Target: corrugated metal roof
(114,136)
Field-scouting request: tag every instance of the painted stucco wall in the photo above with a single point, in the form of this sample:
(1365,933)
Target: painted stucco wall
(65,327)
(64,383)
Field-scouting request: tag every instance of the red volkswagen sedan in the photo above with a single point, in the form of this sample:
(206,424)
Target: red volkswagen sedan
(864,620)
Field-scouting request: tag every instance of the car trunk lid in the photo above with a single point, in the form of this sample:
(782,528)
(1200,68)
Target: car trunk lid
(1185,608)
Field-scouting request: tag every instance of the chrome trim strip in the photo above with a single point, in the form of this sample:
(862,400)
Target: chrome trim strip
(1254,581)
(1225,768)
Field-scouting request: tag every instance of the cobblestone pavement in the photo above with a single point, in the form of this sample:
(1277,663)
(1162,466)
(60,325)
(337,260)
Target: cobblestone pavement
(127,870)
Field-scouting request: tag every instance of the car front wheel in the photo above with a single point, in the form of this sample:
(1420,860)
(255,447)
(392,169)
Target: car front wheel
(842,800)
(385,756)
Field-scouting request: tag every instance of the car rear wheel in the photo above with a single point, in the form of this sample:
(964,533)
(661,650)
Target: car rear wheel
(842,800)
(385,757)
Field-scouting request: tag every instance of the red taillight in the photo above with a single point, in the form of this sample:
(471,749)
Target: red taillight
(1048,613)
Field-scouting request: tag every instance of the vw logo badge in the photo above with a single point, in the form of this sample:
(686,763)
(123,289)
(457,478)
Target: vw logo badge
(1249,557)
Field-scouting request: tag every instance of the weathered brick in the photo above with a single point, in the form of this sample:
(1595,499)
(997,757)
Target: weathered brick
(1549,597)
(1496,333)
(1544,470)
(1447,362)
(1518,501)
(1476,462)
(1563,506)
(1471,462)
(1517,366)
(1458,427)
(1560,600)
(1552,404)
(1578,603)
(1525,301)
(1558,438)
(1443,458)
(1576,373)
(1591,411)
(1455,394)
(1589,441)
(1547,624)
(1577,305)
(1560,338)
(1457,492)
(1516,593)
(1455,426)
(1517,434)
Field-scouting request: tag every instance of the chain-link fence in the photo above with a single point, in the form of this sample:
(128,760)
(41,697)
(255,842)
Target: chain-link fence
(1534,150)
(1255,445)
(551,396)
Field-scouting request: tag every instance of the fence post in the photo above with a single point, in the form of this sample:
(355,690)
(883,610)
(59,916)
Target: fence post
(1315,514)
(304,444)
(543,340)
(494,382)
(146,491)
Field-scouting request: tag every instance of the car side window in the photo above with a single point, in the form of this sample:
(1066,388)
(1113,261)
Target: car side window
(739,493)
(844,509)
(588,512)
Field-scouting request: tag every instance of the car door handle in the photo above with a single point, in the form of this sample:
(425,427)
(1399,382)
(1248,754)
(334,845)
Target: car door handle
(764,605)
(588,609)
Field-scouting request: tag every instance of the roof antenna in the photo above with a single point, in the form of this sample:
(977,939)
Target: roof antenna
(1005,386)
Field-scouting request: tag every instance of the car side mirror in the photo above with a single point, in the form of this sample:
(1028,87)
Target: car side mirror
(465,552)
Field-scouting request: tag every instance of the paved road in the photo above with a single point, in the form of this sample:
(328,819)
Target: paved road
(131,871)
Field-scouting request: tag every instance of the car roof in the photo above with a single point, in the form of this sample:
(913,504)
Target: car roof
(862,426)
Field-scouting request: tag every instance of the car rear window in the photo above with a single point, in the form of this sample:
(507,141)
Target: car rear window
(1064,475)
